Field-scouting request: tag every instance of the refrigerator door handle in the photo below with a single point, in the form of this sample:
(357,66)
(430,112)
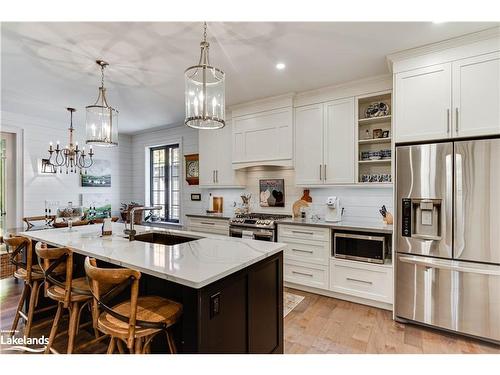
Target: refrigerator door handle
(450,265)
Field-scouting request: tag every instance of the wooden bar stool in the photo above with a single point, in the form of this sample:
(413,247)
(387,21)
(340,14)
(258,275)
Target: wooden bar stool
(71,294)
(134,322)
(31,275)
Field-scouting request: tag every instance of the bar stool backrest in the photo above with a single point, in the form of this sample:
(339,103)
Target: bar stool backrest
(107,282)
(56,258)
(20,245)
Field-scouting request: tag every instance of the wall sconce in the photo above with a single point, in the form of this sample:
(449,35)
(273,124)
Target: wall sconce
(47,167)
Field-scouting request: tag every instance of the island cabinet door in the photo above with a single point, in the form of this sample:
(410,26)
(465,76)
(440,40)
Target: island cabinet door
(265,308)
(223,323)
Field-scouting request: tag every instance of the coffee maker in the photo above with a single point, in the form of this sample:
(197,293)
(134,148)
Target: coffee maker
(333,210)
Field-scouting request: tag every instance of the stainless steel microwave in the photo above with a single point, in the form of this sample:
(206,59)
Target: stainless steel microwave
(364,247)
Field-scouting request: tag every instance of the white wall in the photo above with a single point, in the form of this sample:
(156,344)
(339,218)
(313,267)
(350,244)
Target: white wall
(188,140)
(37,187)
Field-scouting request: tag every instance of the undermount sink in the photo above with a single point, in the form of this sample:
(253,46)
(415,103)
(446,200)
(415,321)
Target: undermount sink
(162,238)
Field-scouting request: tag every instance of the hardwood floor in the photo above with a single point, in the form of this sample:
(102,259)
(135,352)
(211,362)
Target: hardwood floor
(317,325)
(327,325)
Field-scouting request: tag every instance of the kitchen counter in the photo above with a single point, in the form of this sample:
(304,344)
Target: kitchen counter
(231,289)
(211,216)
(195,264)
(360,226)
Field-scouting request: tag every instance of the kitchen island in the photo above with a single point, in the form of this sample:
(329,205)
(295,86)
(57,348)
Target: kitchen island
(231,289)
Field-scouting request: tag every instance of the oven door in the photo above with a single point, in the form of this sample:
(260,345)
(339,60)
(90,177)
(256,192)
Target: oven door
(252,233)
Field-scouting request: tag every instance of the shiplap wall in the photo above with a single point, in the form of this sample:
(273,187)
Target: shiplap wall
(62,188)
(188,139)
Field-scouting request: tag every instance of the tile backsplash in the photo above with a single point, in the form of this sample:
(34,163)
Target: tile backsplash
(360,203)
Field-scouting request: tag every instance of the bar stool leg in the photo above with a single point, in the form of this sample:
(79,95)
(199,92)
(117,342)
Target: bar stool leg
(73,323)
(119,344)
(55,325)
(111,346)
(171,342)
(19,308)
(31,307)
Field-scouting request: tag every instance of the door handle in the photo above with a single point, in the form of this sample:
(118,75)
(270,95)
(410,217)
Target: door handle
(302,273)
(320,177)
(206,223)
(302,232)
(213,176)
(448,121)
(216,176)
(303,251)
(456,119)
(324,174)
(359,281)
(452,266)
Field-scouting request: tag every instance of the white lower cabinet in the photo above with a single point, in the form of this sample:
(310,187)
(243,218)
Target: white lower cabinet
(208,225)
(362,280)
(308,262)
(313,275)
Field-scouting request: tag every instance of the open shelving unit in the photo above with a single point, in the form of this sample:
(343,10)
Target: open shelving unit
(367,143)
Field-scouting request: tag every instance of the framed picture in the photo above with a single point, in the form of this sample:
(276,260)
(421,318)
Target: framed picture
(192,169)
(196,197)
(98,175)
(95,205)
(272,192)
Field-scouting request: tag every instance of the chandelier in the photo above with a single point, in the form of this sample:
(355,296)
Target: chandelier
(70,158)
(204,92)
(102,119)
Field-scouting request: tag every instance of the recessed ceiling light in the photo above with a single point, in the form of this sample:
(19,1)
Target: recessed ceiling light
(280,66)
(438,22)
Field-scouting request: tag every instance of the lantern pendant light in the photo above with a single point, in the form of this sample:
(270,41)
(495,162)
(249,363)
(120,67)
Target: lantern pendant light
(102,119)
(204,92)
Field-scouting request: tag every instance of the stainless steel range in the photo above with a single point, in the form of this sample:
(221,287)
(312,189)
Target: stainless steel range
(257,226)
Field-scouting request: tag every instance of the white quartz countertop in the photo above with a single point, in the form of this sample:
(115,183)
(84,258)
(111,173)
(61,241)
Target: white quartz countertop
(359,226)
(195,264)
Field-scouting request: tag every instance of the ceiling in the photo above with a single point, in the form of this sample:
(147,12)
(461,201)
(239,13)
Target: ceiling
(47,67)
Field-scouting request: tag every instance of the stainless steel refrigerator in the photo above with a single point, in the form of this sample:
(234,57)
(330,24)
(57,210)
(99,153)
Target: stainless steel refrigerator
(448,236)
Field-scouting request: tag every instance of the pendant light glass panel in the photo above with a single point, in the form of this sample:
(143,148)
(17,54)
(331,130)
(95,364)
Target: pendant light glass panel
(205,94)
(102,123)
(101,118)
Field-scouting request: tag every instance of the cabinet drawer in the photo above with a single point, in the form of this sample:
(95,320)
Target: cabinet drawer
(208,225)
(312,275)
(304,232)
(361,280)
(306,251)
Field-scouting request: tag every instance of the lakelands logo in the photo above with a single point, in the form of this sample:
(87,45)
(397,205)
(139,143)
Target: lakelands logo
(24,344)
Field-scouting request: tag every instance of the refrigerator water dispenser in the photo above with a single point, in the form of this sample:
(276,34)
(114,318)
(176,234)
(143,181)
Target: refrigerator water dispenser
(421,218)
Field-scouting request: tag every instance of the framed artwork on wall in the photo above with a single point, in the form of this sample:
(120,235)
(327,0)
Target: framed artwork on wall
(98,175)
(272,192)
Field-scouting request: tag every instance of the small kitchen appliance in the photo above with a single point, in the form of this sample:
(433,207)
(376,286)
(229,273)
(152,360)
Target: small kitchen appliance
(333,210)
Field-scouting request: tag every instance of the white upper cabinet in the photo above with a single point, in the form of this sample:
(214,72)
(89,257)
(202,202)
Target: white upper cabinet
(263,133)
(339,142)
(325,143)
(264,138)
(449,89)
(422,104)
(216,168)
(476,95)
(309,144)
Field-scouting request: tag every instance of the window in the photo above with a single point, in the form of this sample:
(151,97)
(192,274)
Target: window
(165,182)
